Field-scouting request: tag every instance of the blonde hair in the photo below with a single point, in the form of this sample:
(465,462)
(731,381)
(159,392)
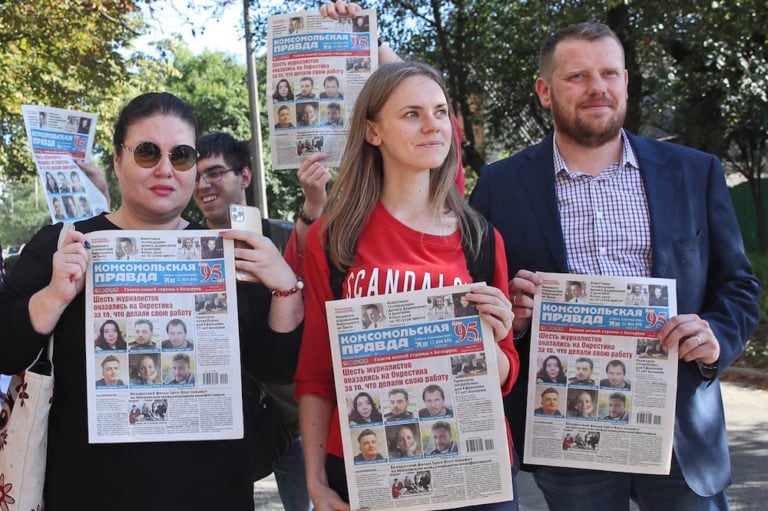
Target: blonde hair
(361,175)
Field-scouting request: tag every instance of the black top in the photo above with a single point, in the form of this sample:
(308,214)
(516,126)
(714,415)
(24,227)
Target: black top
(153,476)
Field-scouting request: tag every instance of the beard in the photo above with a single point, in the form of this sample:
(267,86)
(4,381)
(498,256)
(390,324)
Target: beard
(585,133)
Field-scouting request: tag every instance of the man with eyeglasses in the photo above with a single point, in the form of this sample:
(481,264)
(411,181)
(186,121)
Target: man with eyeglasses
(223,175)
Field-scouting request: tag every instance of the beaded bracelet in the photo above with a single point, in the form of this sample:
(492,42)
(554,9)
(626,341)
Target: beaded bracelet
(295,289)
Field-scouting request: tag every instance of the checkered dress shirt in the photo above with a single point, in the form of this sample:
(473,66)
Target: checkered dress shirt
(605,218)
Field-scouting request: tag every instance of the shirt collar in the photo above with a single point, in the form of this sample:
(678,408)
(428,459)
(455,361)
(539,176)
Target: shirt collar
(628,156)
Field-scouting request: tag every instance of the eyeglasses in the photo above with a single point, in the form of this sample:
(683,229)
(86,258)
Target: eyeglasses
(213,175)
(148,154)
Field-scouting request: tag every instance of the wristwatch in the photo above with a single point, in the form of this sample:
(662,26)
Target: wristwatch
(707,371)
(304,218)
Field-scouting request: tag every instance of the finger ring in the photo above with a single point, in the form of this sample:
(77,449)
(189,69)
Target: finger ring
(698,340)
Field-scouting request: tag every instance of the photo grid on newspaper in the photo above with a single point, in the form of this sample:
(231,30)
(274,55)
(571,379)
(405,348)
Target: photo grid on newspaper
(56,137)
(316,68)
(601,390)
(162,340)
(419,398)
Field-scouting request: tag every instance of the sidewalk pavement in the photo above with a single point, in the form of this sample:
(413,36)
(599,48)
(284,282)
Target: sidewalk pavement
(746,414)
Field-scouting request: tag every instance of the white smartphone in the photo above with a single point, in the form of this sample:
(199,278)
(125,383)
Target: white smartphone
(246,218)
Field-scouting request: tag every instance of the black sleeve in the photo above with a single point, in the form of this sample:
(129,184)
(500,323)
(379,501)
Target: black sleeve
(20,343)
(268,355)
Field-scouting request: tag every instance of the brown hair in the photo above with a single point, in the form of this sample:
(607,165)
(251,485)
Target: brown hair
(361,176)
(579,31)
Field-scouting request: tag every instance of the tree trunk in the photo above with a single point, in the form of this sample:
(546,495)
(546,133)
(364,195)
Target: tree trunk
(755,188)
(618,19)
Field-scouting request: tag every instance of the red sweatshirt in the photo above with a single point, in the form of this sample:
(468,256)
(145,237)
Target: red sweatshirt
(422,261)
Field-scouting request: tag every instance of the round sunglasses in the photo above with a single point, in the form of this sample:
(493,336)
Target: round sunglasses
(148,154)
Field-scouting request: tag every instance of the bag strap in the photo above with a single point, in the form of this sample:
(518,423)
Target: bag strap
(337,274)
(482,268)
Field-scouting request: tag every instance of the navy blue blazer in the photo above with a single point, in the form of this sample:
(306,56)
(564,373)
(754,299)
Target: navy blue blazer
(695,239)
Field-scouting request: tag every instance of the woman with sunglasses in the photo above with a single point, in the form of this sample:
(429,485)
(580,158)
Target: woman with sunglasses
(154,162)
(393,210)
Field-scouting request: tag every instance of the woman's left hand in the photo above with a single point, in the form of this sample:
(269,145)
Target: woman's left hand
(494,307)
(261,258)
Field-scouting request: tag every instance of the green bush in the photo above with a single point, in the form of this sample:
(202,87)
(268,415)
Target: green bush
(756,350)
(760,268)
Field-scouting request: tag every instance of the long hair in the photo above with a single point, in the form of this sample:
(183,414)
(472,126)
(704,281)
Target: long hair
(361,175)
(102,343)
(355,416)
(276,95)
(560,378)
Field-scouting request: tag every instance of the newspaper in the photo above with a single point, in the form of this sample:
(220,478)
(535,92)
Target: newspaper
(417,385)
(601,391)
(316,68)
(56,136)
(162,341)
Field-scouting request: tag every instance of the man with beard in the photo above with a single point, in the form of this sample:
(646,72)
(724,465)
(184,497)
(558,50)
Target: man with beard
(398,405)
(593,199)
(182,375)
(224,174)
(143,339)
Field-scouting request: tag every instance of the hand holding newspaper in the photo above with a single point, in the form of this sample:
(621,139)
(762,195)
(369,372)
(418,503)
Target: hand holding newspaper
(162,343)
(419,401)
(316,67)
(601,390)
(57,138)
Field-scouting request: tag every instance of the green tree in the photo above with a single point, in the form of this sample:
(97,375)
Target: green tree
(488,51)
(215,86)
(697,68)
(62,53)
(23,209)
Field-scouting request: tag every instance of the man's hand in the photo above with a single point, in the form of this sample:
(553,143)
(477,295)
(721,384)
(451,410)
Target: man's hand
(521,290)
(261,259)
(96,176)
(695,338)
(339,8)
(314,177)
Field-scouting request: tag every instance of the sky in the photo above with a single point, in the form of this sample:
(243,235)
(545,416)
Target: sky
(209,34)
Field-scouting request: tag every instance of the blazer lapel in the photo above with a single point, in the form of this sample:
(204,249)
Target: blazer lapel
(662,188)
(538,180)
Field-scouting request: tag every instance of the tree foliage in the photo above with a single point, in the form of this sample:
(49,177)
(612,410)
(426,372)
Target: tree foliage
(697,72)
(62,53)
(686,61)
(215,86)
(23,209)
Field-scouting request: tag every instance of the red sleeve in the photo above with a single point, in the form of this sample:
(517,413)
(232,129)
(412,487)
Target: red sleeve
(459,180)
(507,345)
(314,374)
